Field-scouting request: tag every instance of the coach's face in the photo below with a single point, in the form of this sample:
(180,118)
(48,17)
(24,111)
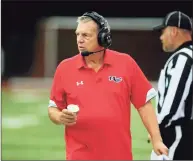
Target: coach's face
(167,39)
(86,34)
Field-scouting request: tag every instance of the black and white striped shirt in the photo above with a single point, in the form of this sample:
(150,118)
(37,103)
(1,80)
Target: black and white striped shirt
(174,106)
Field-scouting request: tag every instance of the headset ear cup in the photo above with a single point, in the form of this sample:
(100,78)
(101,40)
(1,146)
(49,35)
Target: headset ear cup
(104,38)
(108,39)
(101,38)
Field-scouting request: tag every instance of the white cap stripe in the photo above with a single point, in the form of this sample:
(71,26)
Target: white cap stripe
(169,17)
(188,19)
(179,20)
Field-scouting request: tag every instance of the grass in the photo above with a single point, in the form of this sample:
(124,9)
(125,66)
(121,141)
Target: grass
(37,138)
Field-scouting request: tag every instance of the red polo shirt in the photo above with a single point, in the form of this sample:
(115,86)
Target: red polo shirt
(102,131)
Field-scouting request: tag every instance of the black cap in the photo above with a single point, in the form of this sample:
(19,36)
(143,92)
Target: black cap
(177,19)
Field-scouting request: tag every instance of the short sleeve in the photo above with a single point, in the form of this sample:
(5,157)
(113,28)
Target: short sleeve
(141,89)
(57,95)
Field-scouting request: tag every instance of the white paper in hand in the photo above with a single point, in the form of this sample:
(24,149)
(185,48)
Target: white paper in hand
(73,108)
(154,156)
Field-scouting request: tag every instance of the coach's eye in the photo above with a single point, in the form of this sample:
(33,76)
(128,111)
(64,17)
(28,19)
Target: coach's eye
(85,35)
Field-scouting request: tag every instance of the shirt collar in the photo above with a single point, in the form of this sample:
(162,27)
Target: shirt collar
(108,60)
(80,61)
(185,44)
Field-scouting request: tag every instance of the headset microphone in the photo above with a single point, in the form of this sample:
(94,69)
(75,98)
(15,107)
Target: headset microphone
(87,53)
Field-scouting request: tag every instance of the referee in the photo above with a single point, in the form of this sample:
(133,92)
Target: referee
(174,103)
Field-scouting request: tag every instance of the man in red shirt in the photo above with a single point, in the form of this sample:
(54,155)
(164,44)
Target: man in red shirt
(103,83)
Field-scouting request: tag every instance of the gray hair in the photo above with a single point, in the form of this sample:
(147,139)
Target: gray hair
(87,19)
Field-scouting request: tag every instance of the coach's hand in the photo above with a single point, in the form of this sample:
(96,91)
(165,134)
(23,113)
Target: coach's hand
(67,118)
(159,147)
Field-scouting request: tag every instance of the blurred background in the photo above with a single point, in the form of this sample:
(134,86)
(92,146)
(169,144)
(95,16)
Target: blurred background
(37,35)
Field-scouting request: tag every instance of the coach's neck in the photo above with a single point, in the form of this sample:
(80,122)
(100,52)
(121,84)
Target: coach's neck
(95,61)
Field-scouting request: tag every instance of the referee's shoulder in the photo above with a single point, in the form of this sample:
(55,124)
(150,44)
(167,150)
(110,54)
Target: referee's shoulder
(186,51)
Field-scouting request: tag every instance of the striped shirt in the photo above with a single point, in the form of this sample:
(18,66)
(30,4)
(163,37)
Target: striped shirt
(174,105)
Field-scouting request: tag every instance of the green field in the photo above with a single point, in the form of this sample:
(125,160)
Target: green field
(28,134)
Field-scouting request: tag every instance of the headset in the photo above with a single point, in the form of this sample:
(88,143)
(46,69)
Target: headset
(104,35)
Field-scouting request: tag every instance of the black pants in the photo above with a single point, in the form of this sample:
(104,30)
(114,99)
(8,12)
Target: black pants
(179,140)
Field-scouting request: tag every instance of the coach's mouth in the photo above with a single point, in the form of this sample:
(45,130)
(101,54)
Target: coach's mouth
(81,48)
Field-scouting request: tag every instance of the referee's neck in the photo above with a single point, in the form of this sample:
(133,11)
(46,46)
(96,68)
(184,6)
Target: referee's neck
(180,42)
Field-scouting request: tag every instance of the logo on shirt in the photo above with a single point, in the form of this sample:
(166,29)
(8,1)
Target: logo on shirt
(79,83)
(115,79)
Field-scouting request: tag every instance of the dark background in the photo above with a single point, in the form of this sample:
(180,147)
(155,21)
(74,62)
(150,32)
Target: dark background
(19,22)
